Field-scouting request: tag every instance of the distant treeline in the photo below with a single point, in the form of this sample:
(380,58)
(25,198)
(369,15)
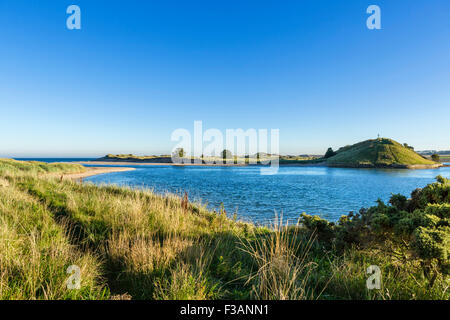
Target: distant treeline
(431,152)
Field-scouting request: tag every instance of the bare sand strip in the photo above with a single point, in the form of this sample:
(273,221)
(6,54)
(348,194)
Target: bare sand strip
(92,171)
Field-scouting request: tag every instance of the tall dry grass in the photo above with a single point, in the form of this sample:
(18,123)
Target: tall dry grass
(35,253)
(140,245)
(284,264)
(150,246)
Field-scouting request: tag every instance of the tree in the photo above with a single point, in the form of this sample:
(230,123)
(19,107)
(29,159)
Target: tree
(226,154)
(435,157)
(329,153)
(178,153)
(408,146)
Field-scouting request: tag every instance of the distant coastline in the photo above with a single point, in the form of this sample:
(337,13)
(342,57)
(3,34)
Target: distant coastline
(297,164)
(145,163)
(380,153)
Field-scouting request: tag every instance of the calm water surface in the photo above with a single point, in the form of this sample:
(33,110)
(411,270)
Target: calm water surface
(329,192)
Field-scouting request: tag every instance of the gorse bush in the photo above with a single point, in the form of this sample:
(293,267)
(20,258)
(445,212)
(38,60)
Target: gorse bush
(417,228)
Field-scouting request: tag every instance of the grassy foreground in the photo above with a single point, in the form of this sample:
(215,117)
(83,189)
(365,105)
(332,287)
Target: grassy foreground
(139,245)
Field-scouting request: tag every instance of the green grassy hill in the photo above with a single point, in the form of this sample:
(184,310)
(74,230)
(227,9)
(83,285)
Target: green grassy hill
(380,152)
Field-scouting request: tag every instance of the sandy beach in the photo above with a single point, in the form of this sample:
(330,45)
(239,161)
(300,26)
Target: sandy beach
(92,171)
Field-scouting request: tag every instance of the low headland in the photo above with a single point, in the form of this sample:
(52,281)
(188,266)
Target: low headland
(374,153)
(135,244)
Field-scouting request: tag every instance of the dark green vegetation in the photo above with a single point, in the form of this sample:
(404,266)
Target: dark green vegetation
(179,153)
(330,153)
(435,157)
(135,244)
(380,153)
(411,232)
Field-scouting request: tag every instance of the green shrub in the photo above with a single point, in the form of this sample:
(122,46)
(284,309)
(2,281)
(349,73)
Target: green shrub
(418,227)
(435,157)
(329,153)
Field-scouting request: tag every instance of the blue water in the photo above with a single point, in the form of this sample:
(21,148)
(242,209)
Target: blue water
(329,192)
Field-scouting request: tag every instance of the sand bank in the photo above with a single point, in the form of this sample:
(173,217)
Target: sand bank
(92,171)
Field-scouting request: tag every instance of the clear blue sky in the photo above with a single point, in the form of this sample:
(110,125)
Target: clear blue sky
(138,70)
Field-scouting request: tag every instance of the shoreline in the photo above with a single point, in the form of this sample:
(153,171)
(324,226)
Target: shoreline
(93,171)
(319,164)
(131,163)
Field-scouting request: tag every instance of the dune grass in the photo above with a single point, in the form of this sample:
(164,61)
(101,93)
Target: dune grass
(36,167)
(36,251)
(134,244)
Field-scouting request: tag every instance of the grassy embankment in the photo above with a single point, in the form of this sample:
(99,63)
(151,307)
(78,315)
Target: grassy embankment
(136,244)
